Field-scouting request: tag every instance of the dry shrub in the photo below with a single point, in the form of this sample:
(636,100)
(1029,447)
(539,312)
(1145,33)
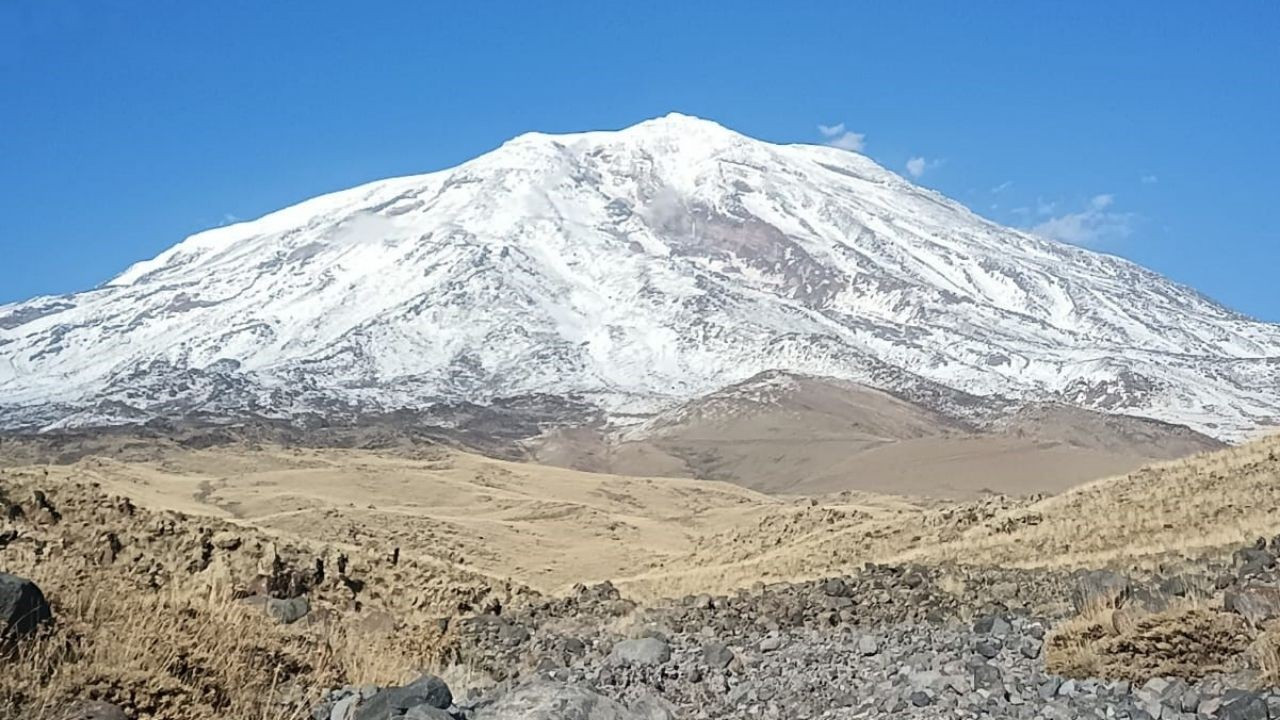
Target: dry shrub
(1266,653)
(1187,642)
(175,655)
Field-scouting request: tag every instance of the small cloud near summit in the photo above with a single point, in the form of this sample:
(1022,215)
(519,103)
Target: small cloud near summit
(1096,224)
(919,165)
(838,136)
(1150,179)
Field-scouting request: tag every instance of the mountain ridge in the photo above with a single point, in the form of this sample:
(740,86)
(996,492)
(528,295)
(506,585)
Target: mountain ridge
(790,434)
(633,270)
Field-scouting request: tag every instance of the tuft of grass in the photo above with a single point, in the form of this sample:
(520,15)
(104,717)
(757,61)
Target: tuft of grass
(1188,642)
(1266,653)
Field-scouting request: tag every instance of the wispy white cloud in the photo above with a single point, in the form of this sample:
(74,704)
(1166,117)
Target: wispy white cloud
(1045,207)
(850,141)
(1150,179)
(837,136)
(918,165)
(1096,224)
(1002,187)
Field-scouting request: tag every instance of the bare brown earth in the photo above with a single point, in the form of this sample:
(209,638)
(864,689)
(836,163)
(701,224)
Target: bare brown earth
(802,435)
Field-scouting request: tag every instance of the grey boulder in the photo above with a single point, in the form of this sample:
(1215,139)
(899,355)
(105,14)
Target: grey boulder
(94,710)
(23,607)
(1255,604)
(559,701)
(426,712)
(395,702)
(642,652)
(288,611)
(1098,589)
(717,655)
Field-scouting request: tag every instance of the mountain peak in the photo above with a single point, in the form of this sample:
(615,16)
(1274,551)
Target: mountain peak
(678,120)
(685,130)
(686,126)
(630,269)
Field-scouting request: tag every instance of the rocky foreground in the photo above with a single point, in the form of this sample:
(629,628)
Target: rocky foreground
(886,642)
(116,612)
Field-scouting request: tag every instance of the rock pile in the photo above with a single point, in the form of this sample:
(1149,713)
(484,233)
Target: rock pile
(927,642)
(429,698)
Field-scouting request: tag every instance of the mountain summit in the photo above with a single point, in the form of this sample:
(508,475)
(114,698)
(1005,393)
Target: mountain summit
(631,271)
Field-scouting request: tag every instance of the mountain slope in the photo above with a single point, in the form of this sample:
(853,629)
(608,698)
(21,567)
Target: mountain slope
(784,433)
(633,270)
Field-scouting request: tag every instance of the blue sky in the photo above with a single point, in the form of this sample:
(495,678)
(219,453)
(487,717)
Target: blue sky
(1145,129)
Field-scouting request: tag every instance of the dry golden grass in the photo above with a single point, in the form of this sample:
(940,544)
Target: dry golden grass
(146,630)
(796,542)
(1187,642)
(161,625)
(549,528)
(1185,507)
(184,654)
(546,527)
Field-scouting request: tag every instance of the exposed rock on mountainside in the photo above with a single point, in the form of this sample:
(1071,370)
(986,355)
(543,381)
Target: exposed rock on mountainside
(775,432)
(630,271)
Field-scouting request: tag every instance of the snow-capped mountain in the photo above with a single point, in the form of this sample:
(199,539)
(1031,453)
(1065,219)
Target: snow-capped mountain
(631,270)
